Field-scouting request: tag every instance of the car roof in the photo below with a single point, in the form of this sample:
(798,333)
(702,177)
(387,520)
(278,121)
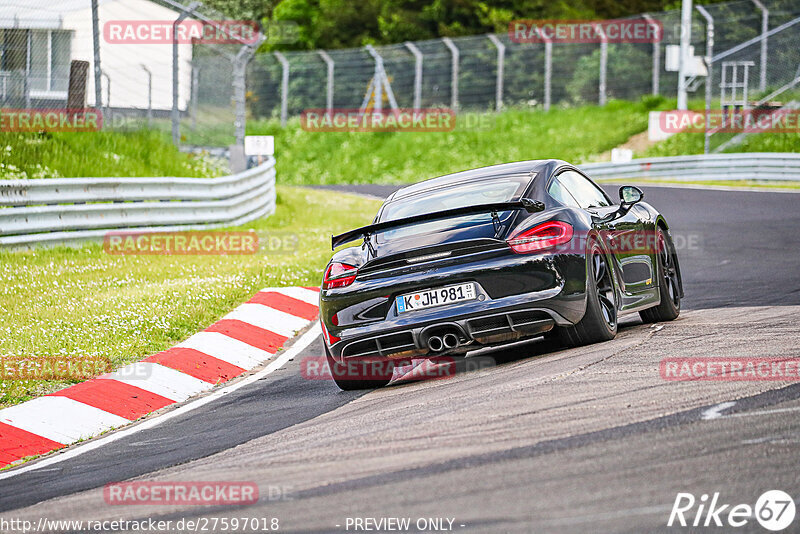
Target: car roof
(482,173)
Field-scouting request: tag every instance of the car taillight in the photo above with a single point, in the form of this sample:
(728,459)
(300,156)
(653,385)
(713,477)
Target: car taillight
(541,237)
(339,275)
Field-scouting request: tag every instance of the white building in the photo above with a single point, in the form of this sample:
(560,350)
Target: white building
(39,38)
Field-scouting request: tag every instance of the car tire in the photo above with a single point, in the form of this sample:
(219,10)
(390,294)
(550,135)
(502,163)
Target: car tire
(348,381)
(599,323)
(668,286)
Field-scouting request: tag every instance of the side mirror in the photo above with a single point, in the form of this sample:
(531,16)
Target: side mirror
(629,195)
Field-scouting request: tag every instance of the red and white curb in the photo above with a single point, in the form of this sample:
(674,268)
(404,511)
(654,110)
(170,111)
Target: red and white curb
(240,341)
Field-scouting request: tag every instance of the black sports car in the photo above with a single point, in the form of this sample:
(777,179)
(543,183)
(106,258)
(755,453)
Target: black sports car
(490,256)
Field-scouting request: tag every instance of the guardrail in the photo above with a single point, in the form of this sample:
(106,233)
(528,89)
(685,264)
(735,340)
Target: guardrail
(741,166)
(64,210)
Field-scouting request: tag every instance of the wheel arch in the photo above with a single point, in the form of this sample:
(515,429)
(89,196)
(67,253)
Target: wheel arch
(593,236)
(661,223)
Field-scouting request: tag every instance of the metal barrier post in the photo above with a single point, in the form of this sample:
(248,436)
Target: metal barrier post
(176,115)
(417,73)
(149,94)
(762,82)
(501,58)
(601,89)
(331,65)
(98,90)
(656,57)
(454,78)
(710,77)
(284,88)
(548,73)
(380,83)
(240,61)
(686,40)
(195,96)
(240,93)
(107,112)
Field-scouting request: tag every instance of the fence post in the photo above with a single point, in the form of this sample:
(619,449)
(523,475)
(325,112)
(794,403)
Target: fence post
(417,74)
(656,57)
(176,115)
(149,94)
(331,65)
(548,73)
(377,80)
(240,61)
(710,77)
(98,90)
(601,89)
(762,82)
(686,41)
(501,59)
(195,89)
(380,83)
(454,79)
(284,88)
(108,96)
(26,88)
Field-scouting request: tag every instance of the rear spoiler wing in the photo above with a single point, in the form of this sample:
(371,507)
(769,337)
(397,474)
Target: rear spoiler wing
(527,204)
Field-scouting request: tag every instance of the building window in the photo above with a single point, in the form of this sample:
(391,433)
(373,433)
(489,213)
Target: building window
(60,55)
(43,54)
(13,50)
(49,63)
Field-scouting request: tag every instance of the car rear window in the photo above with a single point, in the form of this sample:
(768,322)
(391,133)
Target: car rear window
(469,194)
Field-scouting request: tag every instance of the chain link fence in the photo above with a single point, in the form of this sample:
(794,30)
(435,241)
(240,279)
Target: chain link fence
(754,73)
(220,84)
(574,75)
(146,82)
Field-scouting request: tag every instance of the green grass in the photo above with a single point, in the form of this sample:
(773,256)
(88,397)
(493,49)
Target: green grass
(573,134)
(85,303)
(778,142)
(89,154)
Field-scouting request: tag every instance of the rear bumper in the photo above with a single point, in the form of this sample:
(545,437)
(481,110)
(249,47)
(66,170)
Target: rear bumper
(477,324)
(518,296)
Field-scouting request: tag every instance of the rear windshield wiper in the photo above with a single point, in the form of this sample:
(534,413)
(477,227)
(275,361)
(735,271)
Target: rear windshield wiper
(527,204)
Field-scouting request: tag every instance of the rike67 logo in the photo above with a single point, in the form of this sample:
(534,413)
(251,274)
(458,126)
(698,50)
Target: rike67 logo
(774,510)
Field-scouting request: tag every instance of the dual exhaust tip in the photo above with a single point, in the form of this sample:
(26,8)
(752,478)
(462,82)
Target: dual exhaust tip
(445,342)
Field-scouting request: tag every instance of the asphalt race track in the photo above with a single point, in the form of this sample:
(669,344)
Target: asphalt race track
(530,438)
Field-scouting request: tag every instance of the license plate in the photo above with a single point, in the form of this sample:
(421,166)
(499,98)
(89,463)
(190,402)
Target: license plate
(435,297)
